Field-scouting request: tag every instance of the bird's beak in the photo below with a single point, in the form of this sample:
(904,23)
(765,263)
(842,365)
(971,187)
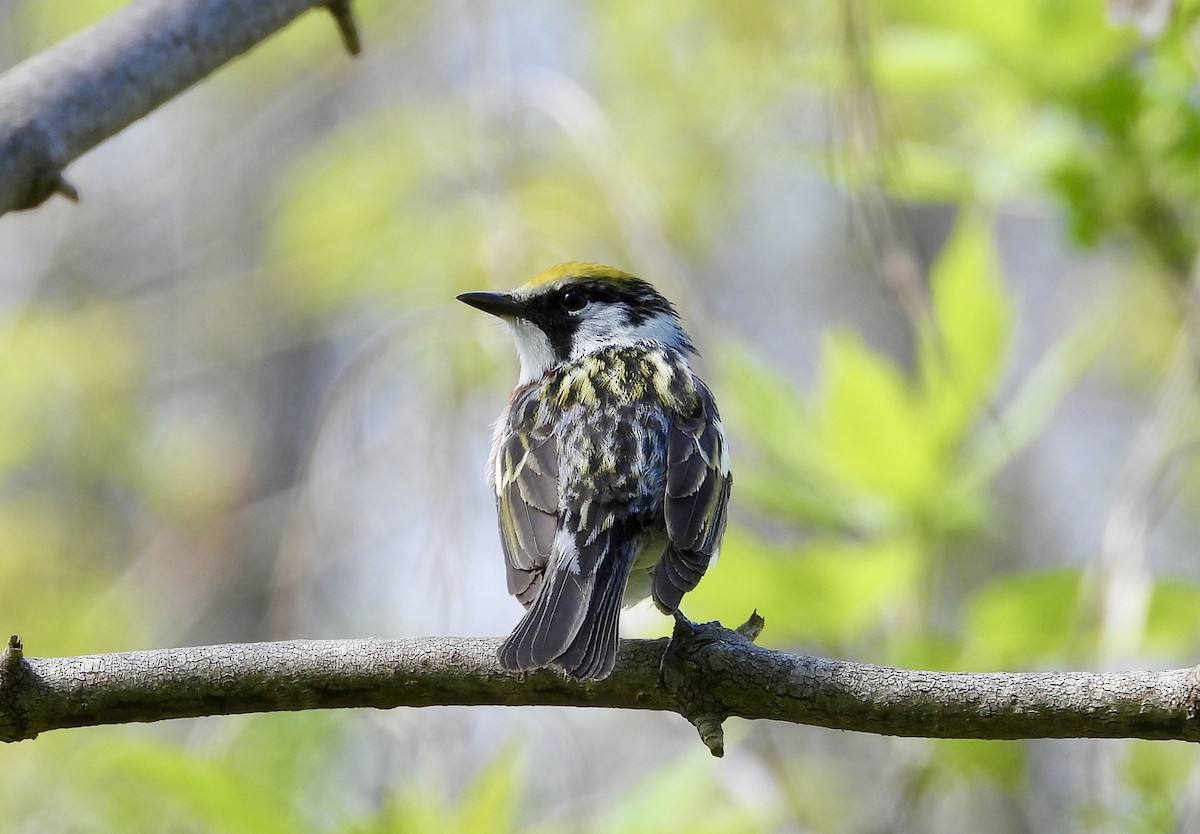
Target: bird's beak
(497,303)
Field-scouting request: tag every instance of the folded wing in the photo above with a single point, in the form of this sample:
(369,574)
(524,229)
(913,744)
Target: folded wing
(527,505)
(697,495)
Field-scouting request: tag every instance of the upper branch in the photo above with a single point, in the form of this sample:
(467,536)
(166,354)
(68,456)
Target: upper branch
(66,100)
(710,673)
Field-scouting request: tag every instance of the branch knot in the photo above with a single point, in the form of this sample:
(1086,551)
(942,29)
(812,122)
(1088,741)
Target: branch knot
(1191,706)
(14,722)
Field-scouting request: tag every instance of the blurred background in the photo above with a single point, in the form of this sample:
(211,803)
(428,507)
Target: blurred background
(938,258)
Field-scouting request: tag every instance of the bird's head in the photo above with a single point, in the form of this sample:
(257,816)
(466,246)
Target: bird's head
(573,309)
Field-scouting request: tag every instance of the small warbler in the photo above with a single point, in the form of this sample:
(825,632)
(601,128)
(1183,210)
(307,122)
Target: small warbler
(609,463)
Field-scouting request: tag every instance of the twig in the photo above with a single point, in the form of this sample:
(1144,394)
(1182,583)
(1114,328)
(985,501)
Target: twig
(66,100)
(343,16)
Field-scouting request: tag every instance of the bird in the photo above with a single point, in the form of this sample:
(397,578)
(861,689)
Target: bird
(609,464)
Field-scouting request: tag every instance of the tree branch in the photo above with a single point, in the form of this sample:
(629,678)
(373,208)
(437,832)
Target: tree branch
(68,99)
(708,674)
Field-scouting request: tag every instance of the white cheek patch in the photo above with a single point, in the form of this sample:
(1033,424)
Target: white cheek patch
(607,326)
(661,328)
(600,326)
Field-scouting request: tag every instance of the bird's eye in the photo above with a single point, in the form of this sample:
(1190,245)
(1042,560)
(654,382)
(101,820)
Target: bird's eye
(573,301)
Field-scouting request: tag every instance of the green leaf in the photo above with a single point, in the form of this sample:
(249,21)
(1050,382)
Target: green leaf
(962,355)
(831,591)
(1157,772)
(1155,767)
(784,472)
(383,210)
(489,804)
(1173,621)
(872,429)
(1038,395)
(413,810)
(913,58)
(923,649)
(183,785)
(1002,762)
(1051,46)
(61,370)
(927,171)
(492,801)
(1023,619)
(762,405)
(684,795)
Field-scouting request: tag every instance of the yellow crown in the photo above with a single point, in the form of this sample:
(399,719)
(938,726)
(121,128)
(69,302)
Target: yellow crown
(581,270)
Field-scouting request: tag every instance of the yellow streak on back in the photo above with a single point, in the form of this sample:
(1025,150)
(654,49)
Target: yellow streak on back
(578,269)
(579,383)
(663,375)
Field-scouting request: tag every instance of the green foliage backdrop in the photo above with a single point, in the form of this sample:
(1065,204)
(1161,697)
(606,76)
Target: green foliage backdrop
(938,256)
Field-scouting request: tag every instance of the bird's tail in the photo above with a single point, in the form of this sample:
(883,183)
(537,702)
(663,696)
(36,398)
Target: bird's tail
(573,622)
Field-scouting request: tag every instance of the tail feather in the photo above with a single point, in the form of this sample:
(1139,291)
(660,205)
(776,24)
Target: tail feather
(593,652)
(573,621)
(551,623)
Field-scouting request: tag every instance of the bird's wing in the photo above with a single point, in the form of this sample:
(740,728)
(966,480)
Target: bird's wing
(697,494)
(574,602)
(527,506)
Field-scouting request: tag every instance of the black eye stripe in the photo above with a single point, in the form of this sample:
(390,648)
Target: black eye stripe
(558,320)
(635,294)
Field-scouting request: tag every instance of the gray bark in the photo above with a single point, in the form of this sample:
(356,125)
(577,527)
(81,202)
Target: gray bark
(708,674)
(68,99)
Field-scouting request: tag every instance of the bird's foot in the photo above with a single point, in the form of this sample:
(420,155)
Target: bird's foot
(684,669)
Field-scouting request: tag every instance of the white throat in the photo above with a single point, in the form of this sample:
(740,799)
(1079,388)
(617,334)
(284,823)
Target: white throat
(533,349)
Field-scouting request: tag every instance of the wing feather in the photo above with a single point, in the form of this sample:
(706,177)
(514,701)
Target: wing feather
(527,506)
(697,496)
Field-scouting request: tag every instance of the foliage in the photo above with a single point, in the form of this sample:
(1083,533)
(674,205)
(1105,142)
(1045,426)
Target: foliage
(143,464)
